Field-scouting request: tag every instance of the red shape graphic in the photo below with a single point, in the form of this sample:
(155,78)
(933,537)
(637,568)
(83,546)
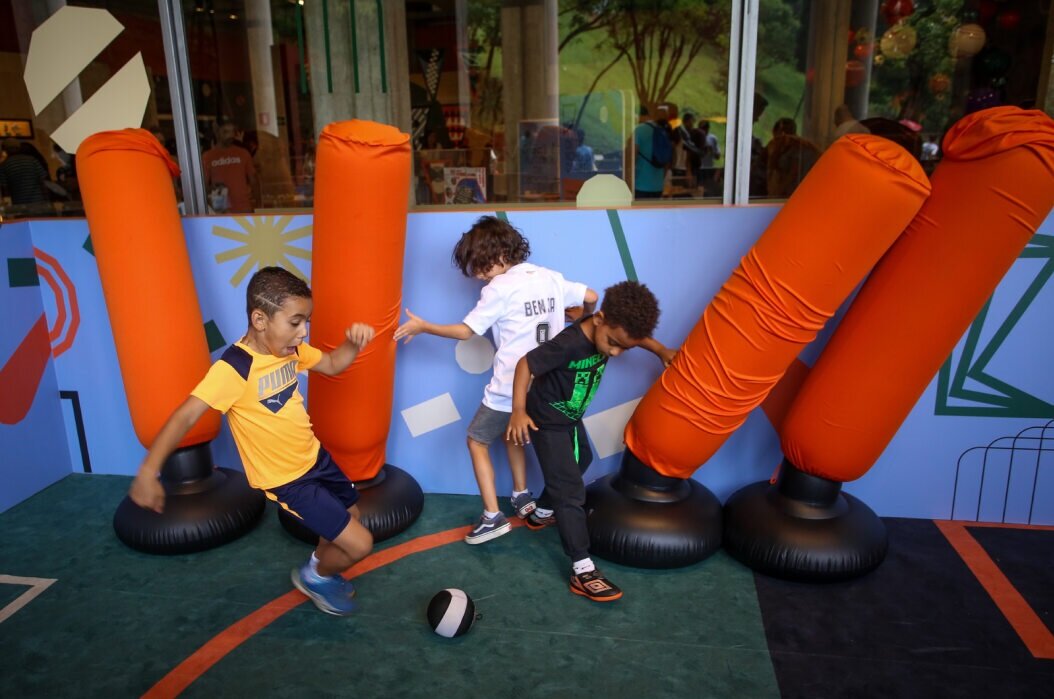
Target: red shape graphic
(57,285)
(21,376)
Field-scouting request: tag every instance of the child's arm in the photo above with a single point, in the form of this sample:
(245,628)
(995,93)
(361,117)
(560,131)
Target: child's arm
(417,325)
(333,363)
(660,350)
(520,424)
(146,490)
(589,304)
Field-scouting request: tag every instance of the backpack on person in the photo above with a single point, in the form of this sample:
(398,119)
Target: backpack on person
(661,146)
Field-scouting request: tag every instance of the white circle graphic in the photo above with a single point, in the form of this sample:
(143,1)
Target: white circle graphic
(475,355)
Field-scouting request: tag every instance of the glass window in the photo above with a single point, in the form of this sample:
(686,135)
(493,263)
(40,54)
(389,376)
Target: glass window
(899,69)
(41,96)
(252,94)
(525,102)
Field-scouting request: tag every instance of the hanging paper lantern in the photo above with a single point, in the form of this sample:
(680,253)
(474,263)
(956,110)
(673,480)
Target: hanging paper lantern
(899,41)
(854,73)
(966,40)
(939,83)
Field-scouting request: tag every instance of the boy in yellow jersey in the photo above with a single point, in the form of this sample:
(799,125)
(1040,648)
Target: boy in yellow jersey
(255,384)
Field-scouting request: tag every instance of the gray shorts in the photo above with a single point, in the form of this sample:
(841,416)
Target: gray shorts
(488,424)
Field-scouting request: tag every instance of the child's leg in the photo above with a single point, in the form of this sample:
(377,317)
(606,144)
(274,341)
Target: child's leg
(487,425)
(484,470)
(518,465)
(349,547)
(564,488)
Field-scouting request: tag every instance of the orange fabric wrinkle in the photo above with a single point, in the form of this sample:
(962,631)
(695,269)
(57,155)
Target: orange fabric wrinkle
(803,267)
(159,335)
(362,192)
(925,292)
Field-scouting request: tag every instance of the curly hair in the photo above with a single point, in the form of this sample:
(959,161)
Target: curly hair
(270,287)
(632,307)
(491,241)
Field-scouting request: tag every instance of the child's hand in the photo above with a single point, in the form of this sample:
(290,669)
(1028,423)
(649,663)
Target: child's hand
(148,493)
(573,313)
(359,334)
(412,327)
(667,355)
(518,431)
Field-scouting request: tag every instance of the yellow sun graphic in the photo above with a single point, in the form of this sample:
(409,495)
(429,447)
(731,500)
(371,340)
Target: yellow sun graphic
(264,242)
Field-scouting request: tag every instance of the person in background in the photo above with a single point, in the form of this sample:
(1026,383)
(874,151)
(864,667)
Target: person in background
(845,122)
(229,166)
(22,177)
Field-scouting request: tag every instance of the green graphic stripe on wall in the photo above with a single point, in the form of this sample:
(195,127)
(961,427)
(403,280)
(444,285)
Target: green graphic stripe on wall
(623,247)
(1005,400)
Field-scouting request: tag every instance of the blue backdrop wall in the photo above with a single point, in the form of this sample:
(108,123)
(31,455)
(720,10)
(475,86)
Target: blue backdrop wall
(978,444)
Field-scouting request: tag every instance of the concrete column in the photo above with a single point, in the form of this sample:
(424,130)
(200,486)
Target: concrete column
(352,75)
(530,73)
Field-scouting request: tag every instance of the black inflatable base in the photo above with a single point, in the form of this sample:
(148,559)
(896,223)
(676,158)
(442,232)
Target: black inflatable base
(388,505)
(794,539)
(632,525)
(199,515)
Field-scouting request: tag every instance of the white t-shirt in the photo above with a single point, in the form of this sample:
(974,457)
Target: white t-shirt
(525,306)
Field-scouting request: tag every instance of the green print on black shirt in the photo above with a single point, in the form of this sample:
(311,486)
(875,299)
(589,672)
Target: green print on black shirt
(586,384)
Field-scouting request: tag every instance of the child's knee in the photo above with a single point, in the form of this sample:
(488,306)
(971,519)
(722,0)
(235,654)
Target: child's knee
(477,450)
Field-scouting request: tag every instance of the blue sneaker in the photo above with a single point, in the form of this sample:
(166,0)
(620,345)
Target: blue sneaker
(524,505)
(333,595)
(487,529)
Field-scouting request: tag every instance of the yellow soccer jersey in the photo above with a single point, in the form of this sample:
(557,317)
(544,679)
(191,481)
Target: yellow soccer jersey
(258,393)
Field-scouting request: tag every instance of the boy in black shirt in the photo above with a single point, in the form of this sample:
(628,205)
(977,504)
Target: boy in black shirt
(567,372)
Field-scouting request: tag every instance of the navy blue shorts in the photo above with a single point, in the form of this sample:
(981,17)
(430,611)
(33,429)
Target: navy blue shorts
(320,498)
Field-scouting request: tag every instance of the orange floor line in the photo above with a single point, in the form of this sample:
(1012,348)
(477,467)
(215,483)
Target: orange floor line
(199,662)
(1029,627)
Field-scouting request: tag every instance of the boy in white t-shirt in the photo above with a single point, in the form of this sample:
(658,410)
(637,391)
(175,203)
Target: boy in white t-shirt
(525,305)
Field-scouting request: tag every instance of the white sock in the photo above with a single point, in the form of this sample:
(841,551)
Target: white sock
(542,513)
(583,566)
(490,515)
(517,493)
(313,564)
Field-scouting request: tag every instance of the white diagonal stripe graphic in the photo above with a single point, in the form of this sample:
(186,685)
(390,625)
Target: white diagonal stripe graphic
(36,586)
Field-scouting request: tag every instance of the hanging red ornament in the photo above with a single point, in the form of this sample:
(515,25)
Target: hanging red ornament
(939,83)
(895,10)
(863,51)
(854,73)
(986,10)
(1009,19)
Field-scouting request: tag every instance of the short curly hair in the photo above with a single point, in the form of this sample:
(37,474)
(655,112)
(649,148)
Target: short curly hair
(491,241)
(270,287)
(633,307)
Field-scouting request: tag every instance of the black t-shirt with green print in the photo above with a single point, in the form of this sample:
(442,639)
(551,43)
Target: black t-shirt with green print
(567,371)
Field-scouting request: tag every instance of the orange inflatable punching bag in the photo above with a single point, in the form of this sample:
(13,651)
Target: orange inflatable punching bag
(994,187)
(855,201)
(126,182)
(362,191)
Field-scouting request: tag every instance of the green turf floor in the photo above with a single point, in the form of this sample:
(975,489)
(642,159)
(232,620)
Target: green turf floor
(117,621)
